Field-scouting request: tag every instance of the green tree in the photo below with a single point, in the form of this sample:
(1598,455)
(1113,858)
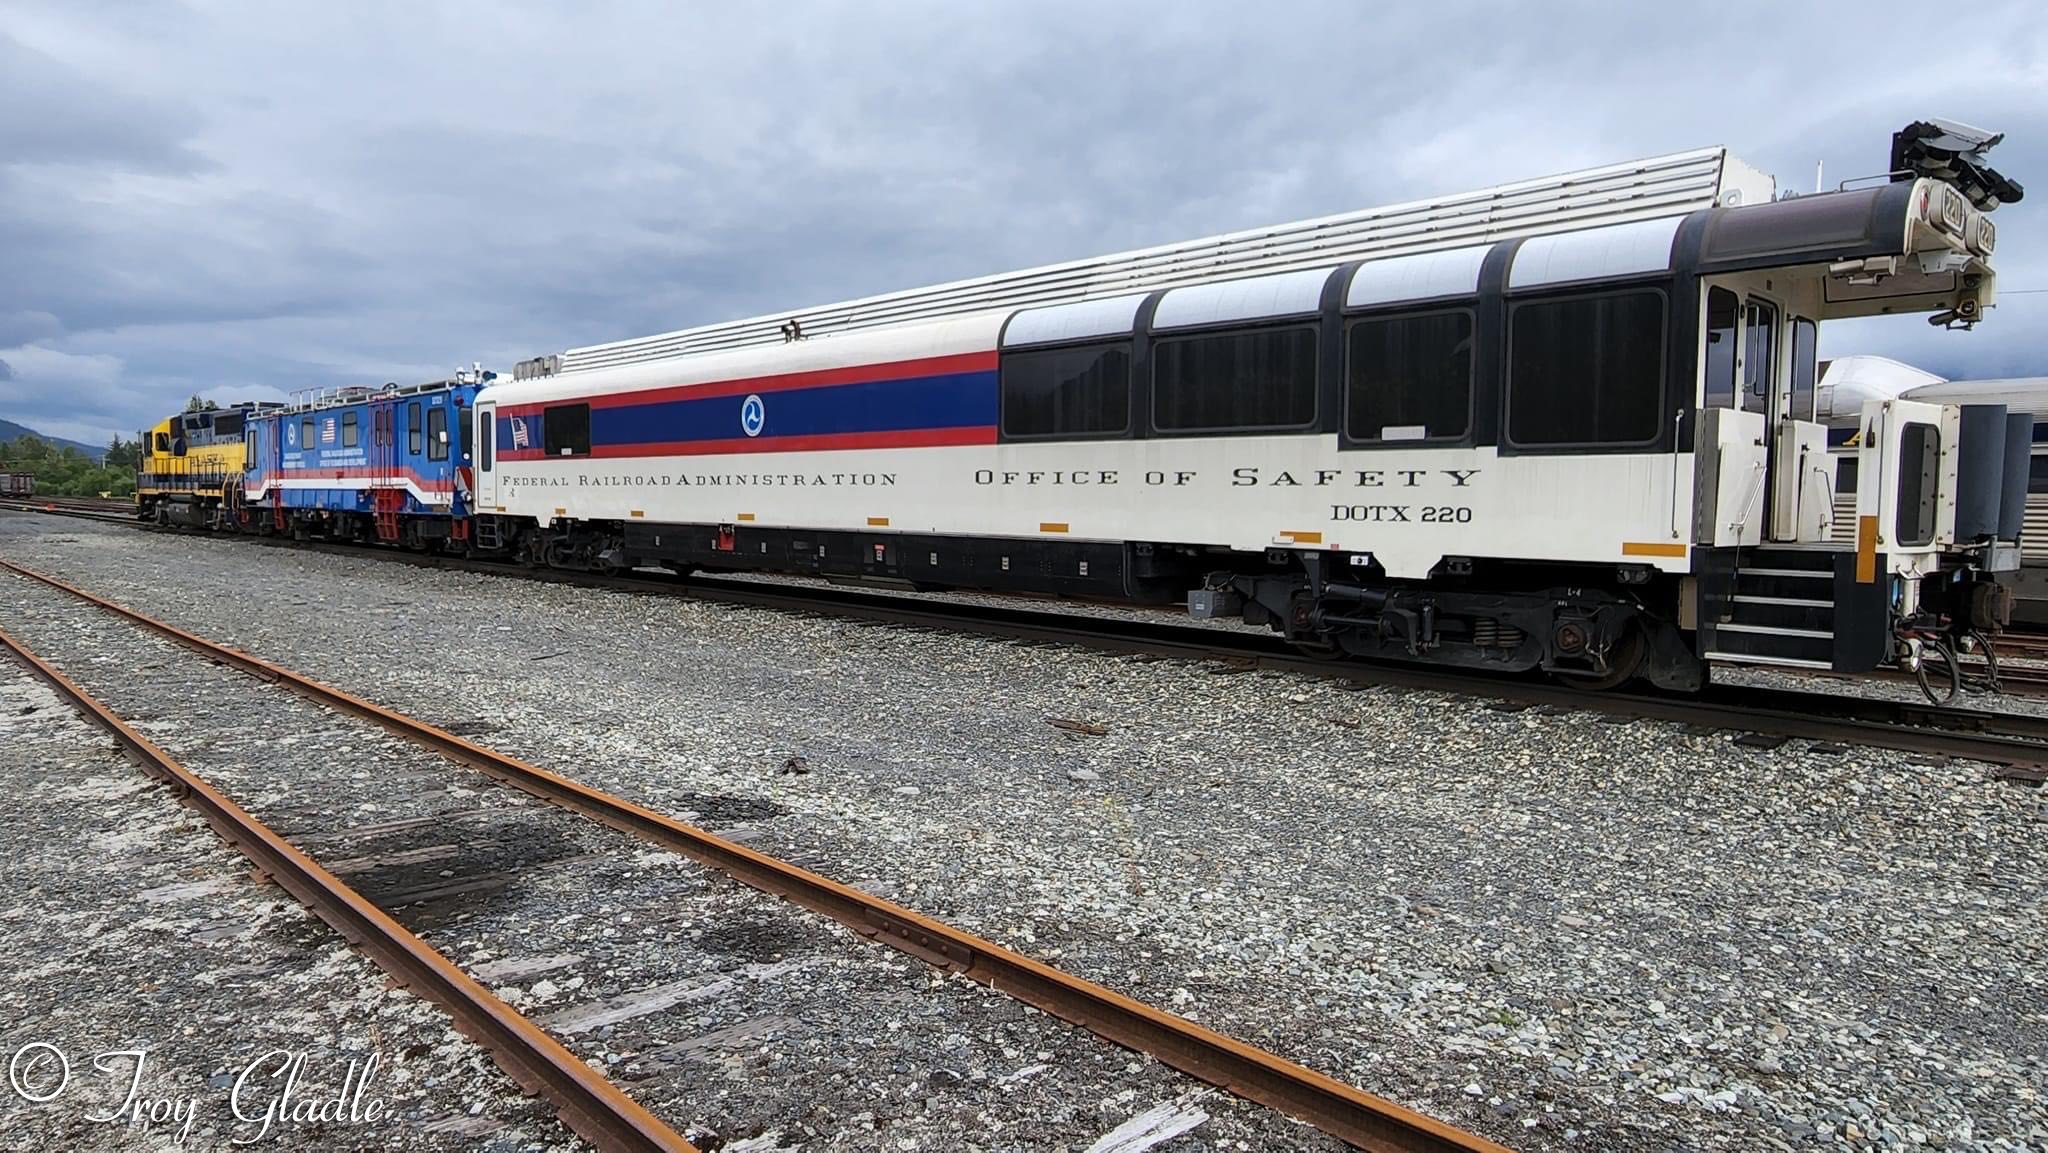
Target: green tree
(123,455)
(200,404)
(64,471)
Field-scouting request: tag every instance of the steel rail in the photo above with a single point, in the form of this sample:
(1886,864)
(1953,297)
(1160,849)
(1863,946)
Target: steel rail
(33,504)
(585,1101)
(1343,1111)
(2017,744)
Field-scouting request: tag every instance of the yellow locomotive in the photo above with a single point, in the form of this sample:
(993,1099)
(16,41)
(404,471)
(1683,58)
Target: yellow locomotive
(190,469)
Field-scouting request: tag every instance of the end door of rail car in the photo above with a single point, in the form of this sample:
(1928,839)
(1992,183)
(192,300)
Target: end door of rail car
(486,458)
(1759,363)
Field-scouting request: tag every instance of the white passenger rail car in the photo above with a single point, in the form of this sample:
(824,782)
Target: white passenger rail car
(1565,424)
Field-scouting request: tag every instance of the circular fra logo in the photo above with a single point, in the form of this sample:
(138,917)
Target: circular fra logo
(753,416)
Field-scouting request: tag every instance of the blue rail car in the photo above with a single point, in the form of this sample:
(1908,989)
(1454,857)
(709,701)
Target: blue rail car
(388,465)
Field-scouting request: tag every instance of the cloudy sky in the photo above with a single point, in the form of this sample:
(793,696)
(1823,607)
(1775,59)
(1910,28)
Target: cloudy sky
(240,199)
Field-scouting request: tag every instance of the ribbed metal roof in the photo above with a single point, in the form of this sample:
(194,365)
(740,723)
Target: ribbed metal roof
(1639,190)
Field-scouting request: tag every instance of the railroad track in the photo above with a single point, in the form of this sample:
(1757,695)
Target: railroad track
(83,508)
(584,1100)
(2016,744)
(590,1104)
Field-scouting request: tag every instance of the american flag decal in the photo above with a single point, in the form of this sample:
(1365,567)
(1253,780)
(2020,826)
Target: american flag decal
(327,431)
(519,437)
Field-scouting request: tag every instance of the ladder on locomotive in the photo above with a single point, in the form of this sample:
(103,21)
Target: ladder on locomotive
(387,492)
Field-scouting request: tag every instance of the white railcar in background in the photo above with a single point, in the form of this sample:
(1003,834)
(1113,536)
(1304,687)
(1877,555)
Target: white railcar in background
(1850,382)
(1564,424)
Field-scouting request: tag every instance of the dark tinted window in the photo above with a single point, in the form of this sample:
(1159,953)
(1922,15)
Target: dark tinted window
(1067,392)
(1919,471)
(2037,474)
(1760,360)
(1805,344)
(565,430)
(1409,377)
(467,430)
(349,433)
(1720,374)
(1587,371)
(488,450)
(1263,379)
(1845,475)
(227,425)
(412,428)
(437,432)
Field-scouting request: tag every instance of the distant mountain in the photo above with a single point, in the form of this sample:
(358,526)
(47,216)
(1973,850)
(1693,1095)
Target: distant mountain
(10,430)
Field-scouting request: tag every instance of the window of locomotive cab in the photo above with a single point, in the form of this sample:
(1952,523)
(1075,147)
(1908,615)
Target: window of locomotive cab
(1255,380)
(437,433)
(306,433)
(1586,371)
(1722,308)
(1760,359)
(162,442)
(1067,393)
(1805,366)
(565,430)
(1408,378)
(466,430)
(412,428)
(349,432)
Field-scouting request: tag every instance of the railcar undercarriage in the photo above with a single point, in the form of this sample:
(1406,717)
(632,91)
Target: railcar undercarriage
(1557,619)
(1590,636)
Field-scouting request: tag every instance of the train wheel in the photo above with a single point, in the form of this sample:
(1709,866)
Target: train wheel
(1624,660)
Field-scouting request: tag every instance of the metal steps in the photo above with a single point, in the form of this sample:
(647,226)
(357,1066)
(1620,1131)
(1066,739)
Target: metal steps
(1775,607)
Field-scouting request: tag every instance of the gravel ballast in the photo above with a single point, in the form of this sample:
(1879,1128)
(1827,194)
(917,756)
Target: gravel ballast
(736,1019)
(1564,932)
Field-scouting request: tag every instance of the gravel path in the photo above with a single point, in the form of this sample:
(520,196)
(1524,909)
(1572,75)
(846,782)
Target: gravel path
(128,925)
(730,1015)
(1565,932)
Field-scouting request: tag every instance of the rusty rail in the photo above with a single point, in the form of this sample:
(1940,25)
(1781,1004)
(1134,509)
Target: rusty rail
(2016,743)
(1343,1111)
(585,1101)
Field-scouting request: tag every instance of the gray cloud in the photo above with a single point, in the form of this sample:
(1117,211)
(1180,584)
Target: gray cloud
(6,373)
(52,113)
(206,201)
